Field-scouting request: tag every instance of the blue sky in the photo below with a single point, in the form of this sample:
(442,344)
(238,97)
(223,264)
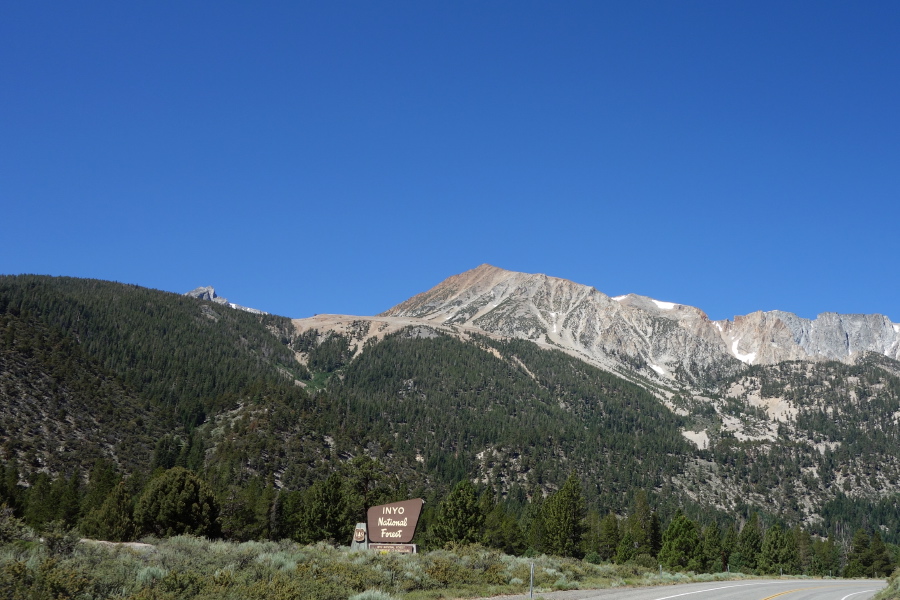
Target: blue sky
(339,157)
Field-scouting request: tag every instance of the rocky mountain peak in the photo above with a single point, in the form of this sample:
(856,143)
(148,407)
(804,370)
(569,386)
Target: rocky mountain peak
(206,293)
(209,293)
(657,338)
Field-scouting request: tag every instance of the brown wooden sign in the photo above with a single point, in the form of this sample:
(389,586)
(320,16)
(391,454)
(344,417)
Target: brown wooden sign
(394,523)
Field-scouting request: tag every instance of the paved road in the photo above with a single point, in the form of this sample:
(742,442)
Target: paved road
(762,589)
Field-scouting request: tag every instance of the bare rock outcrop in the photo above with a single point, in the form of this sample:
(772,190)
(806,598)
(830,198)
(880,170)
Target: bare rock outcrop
(658,339)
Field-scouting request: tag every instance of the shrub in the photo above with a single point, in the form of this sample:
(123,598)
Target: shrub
(59,539)
(372,595)
(147,576)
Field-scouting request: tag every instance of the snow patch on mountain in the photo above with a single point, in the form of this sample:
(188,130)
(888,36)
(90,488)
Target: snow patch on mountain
(745,358)
(664,305)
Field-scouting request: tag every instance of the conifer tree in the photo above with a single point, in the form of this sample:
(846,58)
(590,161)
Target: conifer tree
(879,557)
(40,506)
(459,518)
(803,541)
(625,551)
(113,520)
(564,514)
(859,559)
(826,557)
(749,544)
(778,553)
(609,537)
(323,513)
(681,549)
(244,514)
(712,549)
(11,493)
(532,524)
(67,498)
(639,526)
(101,482)
(655,534)
(591,538)
(177,502)
(367,484)
(729,544)
(501,531)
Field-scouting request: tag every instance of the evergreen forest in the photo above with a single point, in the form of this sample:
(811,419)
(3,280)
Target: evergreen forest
(128,413)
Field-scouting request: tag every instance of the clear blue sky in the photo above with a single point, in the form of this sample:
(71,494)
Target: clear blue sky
(339,157)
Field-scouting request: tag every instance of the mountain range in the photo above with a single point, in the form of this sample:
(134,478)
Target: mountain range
(674,341)
(750,390)
(510,380)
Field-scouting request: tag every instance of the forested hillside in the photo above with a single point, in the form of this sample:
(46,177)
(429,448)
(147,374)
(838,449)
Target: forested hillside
(117,398)
(520,416)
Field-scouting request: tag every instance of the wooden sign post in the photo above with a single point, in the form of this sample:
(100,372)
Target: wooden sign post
(360,538)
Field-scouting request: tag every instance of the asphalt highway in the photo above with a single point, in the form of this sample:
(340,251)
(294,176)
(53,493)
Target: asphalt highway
(761,589)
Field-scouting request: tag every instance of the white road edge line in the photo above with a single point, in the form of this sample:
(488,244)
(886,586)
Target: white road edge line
(855,593)
(724,587)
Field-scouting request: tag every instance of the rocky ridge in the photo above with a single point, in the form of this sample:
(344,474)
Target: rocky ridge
(209,293)
(661,340)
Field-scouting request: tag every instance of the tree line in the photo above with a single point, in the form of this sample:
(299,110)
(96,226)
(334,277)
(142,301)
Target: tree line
(177,501)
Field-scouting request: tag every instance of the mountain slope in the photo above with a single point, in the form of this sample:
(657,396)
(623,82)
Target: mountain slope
(92,368)
(97,369)
(791,434)
(657,339)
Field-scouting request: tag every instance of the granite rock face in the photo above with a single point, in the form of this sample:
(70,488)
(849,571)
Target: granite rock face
(775,336)
(657,339)
(209,293)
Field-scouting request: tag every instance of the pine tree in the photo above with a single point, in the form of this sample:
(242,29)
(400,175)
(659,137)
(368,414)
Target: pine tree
(67,498)
(532,524)
(591,538)
(459,518)
(746,556)
(879,557)
(101,482)
(729,544)
(639,527)
(778,553)
(803,541)
(113,520)
(366,484)
(712,549)
(324,513)
(564,514)
(858,560)
(655,534)
(11,493)
(40,506)
(501,531)
(609,537)
(826,557)
(681,549)
(625,551)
